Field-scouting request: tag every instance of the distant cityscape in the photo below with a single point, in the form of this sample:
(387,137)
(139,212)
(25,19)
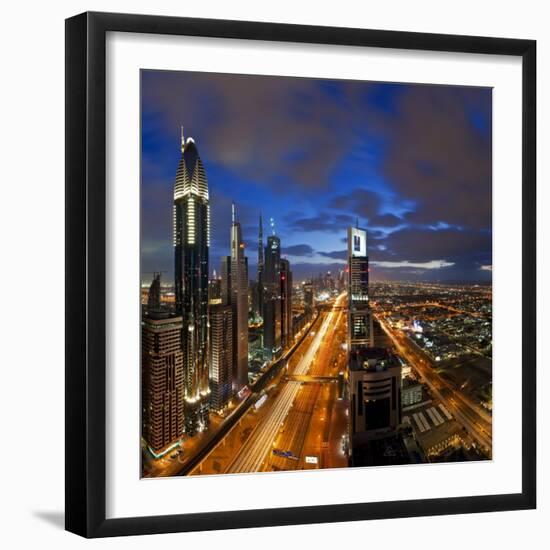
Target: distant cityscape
(251,371)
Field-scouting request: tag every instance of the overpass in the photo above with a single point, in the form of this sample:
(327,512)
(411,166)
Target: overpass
(311,378)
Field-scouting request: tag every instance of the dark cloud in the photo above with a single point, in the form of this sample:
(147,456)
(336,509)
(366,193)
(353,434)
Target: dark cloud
(335,255)
(385,220)
(278,128)
(324,222)
(439,155)
(315,155)
(423,245)
(298,250)
(361,202)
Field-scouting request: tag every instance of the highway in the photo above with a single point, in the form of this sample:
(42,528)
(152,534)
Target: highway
(253,453)
(308,426)
(195,452)
(476,421)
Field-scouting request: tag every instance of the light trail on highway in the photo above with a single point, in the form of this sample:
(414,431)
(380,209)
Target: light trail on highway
(253,453)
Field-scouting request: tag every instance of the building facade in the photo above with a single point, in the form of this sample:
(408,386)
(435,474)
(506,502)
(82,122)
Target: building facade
(375,394)
(191,219)
(162,380)
(221,355)
(272,297)
(411,391)
(309,303)
(360,326)
(239,302)
(260,276)
(285,278)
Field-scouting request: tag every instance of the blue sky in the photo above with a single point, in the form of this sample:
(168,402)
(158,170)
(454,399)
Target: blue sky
(411,162)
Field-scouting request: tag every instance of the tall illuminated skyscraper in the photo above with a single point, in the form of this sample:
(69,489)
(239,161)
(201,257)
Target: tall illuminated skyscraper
(239,303)
(360,329)
(260,289)
(272,297)
(191,219)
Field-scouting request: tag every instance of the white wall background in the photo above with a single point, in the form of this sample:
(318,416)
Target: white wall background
(32,260)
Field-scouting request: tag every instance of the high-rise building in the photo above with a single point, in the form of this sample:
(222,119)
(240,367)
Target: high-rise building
(221,355)
(191,218)
(215,290)
(375,394)
(308,298)
(162,379)
(225,264)
(285,277)
(260,277)
(272,297)
(153,298)
(239,303)
(360,326)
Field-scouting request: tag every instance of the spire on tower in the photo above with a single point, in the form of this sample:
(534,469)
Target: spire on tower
(232,212)
(182,139)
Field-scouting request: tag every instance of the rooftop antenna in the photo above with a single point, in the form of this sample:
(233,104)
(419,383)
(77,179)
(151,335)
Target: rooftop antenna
(272,224)
(182,139)
(357,222)
(232,212)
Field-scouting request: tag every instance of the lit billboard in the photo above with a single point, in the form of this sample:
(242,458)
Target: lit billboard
(358,241)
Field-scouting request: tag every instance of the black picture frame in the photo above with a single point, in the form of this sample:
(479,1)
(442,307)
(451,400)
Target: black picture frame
(86,284)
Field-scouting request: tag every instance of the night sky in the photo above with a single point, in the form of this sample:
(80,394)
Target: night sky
(411,162)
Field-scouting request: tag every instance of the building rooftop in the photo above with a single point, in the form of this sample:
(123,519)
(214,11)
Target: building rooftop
(371,358)
(409,382)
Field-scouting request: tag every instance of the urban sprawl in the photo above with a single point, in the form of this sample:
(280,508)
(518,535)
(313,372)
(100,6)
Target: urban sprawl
(256,372)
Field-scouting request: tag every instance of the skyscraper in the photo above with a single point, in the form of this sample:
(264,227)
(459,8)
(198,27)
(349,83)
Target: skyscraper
(360,330)
(375,394)
(153,298)
(260,279)
(239,303)
(221,355)
(308,298)
(285,278)
(272,297)
(162,384)
(191,219)
(214,290)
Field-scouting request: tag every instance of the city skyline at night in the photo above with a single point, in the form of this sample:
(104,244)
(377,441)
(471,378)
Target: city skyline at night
(412,162)
(318,308)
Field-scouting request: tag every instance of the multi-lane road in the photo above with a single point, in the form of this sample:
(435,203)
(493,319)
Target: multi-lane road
(252,456)
(476,421)
(312,432)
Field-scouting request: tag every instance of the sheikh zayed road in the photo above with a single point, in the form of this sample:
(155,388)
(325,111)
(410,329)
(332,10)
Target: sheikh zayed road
(256,372)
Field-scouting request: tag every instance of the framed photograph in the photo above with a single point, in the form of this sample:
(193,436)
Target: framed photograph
(300,277)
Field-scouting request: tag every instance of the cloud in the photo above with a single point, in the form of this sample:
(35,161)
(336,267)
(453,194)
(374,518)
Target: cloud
(385,220)
(412,162)
(423,245)
(432,264)
(324,222)
(262,127)
(298,250)
(335,255)
(439,155)
(361,202)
